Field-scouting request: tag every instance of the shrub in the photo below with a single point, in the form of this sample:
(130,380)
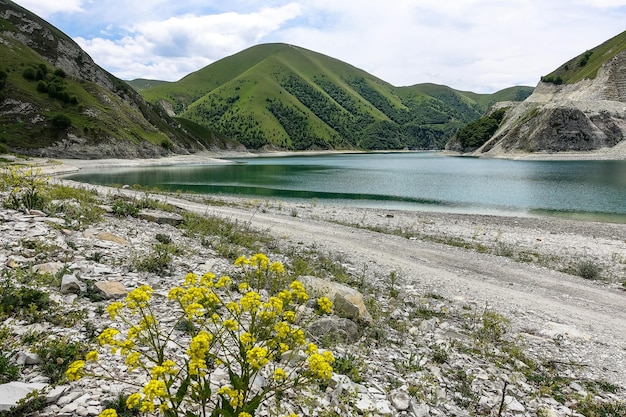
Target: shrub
(25,188)
(123,208)
(588,270)
(235,331)
(57,355)
(60,121)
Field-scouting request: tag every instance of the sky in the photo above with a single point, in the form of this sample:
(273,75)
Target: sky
(472,45)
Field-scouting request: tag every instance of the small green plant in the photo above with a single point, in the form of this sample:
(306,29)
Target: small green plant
(235,330)
(159,260)
(8,370)
(163,238)
(57,355)
(440,354)
(393,281)
(493,327)
(588,270)
(350,366)
(26,188)
(124,208)
(119,405)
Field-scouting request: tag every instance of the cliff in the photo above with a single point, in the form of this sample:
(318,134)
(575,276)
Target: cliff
(588,115)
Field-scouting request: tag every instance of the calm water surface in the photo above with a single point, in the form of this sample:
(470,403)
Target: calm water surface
(417,181)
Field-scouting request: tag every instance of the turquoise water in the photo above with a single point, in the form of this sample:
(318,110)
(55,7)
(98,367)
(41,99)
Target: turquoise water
(415,181)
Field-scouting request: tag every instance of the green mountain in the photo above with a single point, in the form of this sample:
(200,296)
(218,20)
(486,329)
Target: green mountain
(284,96)
(55,101)
(587,64)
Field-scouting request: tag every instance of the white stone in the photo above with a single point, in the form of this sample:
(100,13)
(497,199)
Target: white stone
(13,392)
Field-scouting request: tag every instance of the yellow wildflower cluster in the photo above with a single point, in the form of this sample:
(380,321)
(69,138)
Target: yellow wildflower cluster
(231,327)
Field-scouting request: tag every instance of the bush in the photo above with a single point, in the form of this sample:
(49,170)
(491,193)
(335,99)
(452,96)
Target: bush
(25,187)
(60,121)
(235,331)
(588,270)
(57,355)
(123,208)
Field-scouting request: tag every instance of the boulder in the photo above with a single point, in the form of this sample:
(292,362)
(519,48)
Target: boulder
(337,329)
(347,302)
(111,289)
(13,392)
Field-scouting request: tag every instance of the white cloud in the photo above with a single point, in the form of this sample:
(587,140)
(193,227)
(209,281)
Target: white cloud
(45,8)
(476,45)
(171,48)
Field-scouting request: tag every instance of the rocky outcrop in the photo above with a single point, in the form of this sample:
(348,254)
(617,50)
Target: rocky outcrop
(585,116)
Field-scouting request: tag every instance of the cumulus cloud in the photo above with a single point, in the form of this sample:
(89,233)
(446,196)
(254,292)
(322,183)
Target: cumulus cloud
(45,8)
(171,48)
(478,45)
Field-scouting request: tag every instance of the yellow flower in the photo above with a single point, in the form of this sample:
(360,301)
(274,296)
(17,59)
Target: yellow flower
(147,407)
(114,308)
(139,297)
(199,346)
(235,396)
(298,291)
(191,279)
(230,324)
(246,338)
(107,337)
(250,301)
(257,357)
(233,307)
(282,329)
(75,370)
(223,282)
(109,412)
(154,389)
(280,375)
(277,268)
(319,366)
(92,356)
(207,279)
(243,287)
(132,359)
(133,400)
(241,261)
(289,316)
(244,414)
(260,260)
(175,293)
(325,305)
(194,309)
(311,348)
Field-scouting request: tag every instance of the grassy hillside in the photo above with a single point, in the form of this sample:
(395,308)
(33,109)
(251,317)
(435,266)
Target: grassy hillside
(587,64)
(281,95)
(56,101)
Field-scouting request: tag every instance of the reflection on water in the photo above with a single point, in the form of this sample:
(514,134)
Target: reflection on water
(401,180)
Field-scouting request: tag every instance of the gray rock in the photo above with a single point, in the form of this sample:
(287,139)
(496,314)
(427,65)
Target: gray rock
(13,392)
(400,400)
(49,268)
(71,285)
(111,289)
(161,217)
(349,298)
(337,329)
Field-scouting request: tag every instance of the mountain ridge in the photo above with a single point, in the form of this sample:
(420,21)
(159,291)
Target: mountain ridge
(285,96)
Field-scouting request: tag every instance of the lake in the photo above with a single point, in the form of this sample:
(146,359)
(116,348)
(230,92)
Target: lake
(414,181)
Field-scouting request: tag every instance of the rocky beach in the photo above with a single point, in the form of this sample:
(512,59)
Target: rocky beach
(460,315)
